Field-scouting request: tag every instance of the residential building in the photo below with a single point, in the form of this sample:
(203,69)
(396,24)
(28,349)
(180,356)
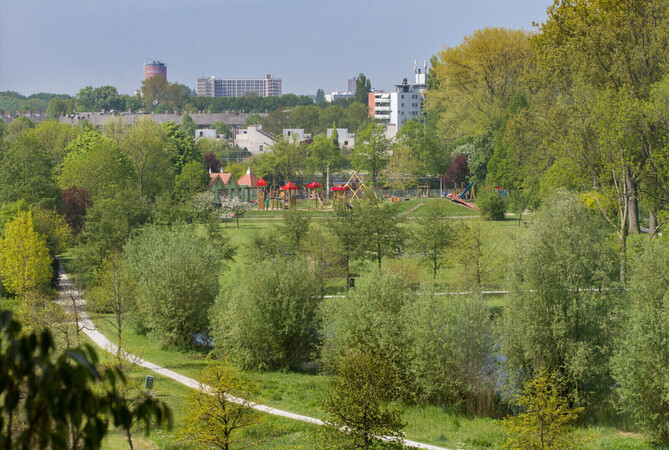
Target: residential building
(254,139)
(338,96)
(205,133)
(351,85)
(237,87)
(223,185)
(155,68)
(344,138)
(249,186)
(294,134)
(395,108)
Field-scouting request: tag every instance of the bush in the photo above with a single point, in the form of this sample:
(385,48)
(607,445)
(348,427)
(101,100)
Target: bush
(270,318)
(491,206)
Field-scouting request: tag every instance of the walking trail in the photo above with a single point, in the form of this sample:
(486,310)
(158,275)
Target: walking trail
(69,292)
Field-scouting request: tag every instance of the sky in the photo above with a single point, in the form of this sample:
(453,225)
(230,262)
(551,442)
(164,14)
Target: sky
(63,46)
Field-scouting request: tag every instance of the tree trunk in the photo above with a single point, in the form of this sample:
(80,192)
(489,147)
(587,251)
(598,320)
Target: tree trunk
(633,203)
(623,254)
(652,223)
(128,437)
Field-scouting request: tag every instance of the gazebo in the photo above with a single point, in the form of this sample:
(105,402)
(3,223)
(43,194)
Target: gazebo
(290,189)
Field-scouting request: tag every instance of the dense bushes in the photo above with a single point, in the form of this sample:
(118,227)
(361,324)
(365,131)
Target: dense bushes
(491,206)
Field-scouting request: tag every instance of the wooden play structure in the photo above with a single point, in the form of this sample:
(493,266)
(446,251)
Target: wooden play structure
(423,191)
(262,194)
(340,196)
(289,194)
(315,199)
(359,190)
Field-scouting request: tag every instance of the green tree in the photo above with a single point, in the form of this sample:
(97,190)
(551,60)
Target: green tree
(477,253)
(360,399)
(188,126)
(25,264)
(363,87)
(355,116)
(234,206)
(306,117)
(557,318)
(219,408)
(402,168)
(345,227)
(17,127)
(285,161)
(181,147)
(381,234)
(451,351)
(146,147)
(270,317)
(371,151)
(431,236)
(55,138)
(55,400)
(177,273)
(641,360)
(222,129)
(320,96)
(26,172)
(323,155)
(192,179)
(544,424)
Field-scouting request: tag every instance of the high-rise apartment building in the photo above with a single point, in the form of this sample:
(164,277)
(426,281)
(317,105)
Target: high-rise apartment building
(236,87)
(351,85)
(154,68)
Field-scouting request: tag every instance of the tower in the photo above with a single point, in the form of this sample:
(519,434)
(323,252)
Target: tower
(154,68)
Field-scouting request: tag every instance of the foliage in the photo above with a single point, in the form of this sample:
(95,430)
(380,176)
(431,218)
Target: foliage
(269,318)
(641,360)
(235,206)
(188,126)
(363,87)
(192,179)
(26,172)
(51,400)
(219,408)
(293,229)
(491,205)
(546,417)
(323,155)
(345,228)
(402,168)
(457,172)
(477,253)
(558,316)
(369,319)
(97,99)
(25,264)
(222,129)
(360,400)
(285,161)
(370,154)
(17,127)
(431,236)
(381,234)
(451,350)
(177,273)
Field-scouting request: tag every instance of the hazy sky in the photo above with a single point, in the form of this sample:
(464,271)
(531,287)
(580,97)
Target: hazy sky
(62,46)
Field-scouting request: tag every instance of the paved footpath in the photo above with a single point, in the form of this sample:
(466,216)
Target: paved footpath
(68,292)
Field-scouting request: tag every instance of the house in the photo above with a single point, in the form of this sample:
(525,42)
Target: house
(254,139)
(249,186)
(344,138)
(223,185)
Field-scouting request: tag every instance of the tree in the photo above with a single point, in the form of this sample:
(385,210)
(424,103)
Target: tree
(285,161)
(476,80)
(222,129)
(55,138)
(25,264)
(54,400)
(431,236)
(355,116)
(17,127)
(219,408)
(450,356)
(181,147)
(457,172)
(558,316)
(115,291)
(380,232)
(192,179)
(235,206)
(546,417)
(323,156)
(188,126)
(371,151)
(306,117)
(320,96)
(26,172)
(477,254)
(491,205)
(345,227)
(270,317)
(402,167)
(177,272)
(145,146)
(360,400)
(363,87)
(641,359)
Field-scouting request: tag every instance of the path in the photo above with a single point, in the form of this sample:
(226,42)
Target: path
(88,327)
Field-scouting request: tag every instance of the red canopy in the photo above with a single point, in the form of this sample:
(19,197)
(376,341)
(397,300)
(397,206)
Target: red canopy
(289,186)
(262,182)
(340,187)
(314,185)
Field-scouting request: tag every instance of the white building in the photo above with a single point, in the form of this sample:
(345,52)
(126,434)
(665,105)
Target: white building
(294,134)
(237,87)
(395,108)
(345,139)
(338,96)
(205,133)
(254,139)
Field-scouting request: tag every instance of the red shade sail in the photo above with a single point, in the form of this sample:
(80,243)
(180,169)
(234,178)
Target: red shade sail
(262,182)
(314,185)
(340,187)
(289,186)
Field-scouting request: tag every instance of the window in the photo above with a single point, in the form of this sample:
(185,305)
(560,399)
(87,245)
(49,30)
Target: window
(260,148)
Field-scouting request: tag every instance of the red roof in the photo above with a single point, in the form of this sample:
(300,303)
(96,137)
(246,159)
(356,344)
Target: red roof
(262,182)
(225,178)
(248,180)
(289,186)
(314,185)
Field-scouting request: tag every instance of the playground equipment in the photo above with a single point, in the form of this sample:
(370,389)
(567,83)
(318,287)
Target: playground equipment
(359,189)
(290,190)
(423,191)
(459,201)
(262,194)
(340,191)
(463,193)
(314,198)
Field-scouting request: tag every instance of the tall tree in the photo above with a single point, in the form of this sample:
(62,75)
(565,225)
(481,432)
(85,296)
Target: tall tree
(370,154)
(363,87)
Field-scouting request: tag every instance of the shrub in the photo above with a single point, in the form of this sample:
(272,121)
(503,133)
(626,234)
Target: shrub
(491,206)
